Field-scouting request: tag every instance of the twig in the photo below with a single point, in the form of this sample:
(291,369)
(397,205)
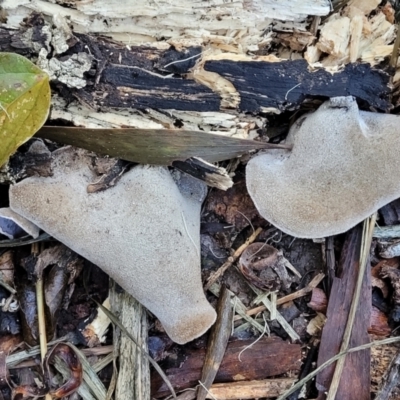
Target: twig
(368,228)
(7,286)
(221,270)
(300,293)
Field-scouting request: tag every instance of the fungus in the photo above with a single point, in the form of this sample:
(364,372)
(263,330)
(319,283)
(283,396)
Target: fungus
(344,166)
(144,232)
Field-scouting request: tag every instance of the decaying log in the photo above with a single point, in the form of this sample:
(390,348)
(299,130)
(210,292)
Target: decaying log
(267,357)
(356,373)
(133,379)
(140,77)
(213,94)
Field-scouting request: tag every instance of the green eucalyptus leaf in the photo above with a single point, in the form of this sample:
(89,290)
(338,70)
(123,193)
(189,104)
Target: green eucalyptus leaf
(24,102)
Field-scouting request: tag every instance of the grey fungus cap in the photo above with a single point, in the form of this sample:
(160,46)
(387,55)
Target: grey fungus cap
(144,232)
(344,166)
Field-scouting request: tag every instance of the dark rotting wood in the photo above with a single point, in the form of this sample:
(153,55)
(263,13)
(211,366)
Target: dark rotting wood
(284,83)
(356,373)
(265,358)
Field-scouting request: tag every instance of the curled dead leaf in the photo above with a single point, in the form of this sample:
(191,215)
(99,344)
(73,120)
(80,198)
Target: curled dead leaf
(67,354)
(257,264)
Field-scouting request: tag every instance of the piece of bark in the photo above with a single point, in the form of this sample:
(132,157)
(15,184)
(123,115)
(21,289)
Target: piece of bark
(95,331)
(387,232)
(212,175)
(379,325)
(267,357)
(263,85)
(391,251)
(133,380)
(330,261)
(217,342)
(250,390)
(356,373)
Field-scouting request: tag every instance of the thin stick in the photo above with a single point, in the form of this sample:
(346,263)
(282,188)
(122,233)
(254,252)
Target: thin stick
(368,229)
(7,286)
(300,293)
(221,270)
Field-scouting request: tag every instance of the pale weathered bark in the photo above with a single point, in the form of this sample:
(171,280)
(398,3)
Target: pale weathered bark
(133,380)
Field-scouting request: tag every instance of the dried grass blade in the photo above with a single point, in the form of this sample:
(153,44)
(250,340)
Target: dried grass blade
(89,376)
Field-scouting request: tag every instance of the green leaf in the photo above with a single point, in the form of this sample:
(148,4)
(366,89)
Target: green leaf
(150,146)
(24,102)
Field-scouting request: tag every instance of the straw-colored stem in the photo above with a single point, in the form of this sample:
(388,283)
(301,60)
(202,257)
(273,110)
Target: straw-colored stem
(40,311)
